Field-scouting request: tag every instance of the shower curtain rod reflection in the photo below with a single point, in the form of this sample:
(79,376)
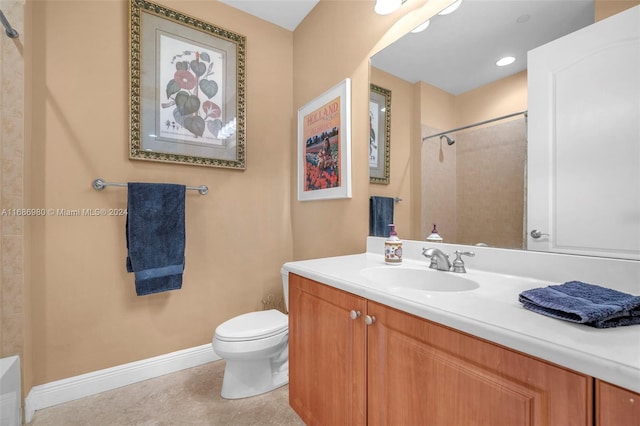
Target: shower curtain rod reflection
(474,125)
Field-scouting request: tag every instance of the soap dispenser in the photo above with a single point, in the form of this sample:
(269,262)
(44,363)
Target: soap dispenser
(435,237)
(393,248)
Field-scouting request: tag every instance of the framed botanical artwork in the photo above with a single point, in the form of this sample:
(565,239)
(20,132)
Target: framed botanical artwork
(324,145)
(379,134)
(187,88)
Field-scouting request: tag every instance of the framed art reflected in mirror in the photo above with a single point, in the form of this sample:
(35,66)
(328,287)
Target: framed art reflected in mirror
(379,134)
(187,87)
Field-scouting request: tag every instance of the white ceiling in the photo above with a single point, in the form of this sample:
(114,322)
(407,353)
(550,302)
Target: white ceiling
(457,52)
(285,13)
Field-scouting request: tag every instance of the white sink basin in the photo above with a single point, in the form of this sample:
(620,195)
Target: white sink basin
(425,279)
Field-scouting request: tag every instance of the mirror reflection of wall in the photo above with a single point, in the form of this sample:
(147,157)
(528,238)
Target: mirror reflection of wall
(459,183)
(475,192)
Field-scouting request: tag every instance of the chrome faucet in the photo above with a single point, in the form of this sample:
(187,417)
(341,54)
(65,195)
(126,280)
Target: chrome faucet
(439,260)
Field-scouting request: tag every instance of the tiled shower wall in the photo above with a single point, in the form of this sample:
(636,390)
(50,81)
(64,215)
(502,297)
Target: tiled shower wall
(474,190)
(12,320)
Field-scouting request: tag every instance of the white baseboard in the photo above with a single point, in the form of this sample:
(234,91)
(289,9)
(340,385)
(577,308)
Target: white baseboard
(60,391)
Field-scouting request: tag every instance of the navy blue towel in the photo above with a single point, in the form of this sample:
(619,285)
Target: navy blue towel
(583,303)
(380,216)
(155,236)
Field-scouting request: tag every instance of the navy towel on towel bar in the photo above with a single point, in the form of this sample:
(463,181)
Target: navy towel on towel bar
(584,303)
(380,216)
(155,232)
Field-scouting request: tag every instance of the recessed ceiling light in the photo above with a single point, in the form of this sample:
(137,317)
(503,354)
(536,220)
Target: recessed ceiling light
(450,9)
(421,27)
(507,60)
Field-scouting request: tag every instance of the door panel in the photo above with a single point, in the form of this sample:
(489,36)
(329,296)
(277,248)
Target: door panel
(584,140)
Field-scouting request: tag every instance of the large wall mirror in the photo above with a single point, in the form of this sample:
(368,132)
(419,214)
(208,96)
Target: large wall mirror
(474,114)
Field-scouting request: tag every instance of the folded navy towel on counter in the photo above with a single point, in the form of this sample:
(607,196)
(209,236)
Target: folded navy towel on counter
(584,303)
(380,216)
(155,233)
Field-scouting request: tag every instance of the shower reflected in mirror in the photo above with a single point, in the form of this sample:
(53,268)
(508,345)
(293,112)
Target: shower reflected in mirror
(448,139)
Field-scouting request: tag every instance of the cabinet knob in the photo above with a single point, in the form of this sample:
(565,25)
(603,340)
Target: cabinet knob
(354,314)
(369,320)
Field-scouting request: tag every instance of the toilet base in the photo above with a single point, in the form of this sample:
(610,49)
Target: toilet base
(243,379)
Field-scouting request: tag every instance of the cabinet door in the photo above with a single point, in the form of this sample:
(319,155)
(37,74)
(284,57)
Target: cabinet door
(421,373)
(327,358)
(616,406)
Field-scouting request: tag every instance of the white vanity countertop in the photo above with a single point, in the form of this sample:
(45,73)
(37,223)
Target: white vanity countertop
(493,312)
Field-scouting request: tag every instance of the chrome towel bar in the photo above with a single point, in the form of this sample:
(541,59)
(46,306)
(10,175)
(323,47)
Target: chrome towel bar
(100,184)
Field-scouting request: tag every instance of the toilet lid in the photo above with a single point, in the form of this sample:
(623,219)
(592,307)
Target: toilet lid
(252,326)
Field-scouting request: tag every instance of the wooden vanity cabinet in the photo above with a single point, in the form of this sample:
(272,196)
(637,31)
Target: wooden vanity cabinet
(405,370)
(422,373)
(616,406)
(327,354)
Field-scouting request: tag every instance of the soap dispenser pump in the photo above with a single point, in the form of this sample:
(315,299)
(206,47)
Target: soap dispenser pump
(393,248)
(435,237)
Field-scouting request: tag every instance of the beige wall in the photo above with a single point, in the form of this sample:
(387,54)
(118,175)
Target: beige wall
(606,8)
(86,315)
(77,311)
(402,110)
(334,42)
(73,307)
(492,100)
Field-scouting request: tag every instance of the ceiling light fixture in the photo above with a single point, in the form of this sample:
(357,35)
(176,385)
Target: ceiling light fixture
(507,60)
(450,9)
(421,27)
(385,7)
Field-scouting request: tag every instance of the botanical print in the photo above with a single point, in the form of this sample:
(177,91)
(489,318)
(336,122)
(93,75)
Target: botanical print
(373,140)
(191,99)
(321,133)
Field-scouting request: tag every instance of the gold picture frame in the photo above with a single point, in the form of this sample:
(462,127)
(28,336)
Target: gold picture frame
(187,89)
(379,134)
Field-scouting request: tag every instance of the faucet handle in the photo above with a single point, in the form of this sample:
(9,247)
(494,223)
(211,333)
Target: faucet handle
(458,264)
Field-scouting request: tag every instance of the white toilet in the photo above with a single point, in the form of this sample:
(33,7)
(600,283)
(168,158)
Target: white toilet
(255,347)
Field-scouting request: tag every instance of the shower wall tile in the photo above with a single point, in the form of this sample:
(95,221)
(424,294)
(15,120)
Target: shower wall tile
(11,176)
(12,256)
(12,333)
(12,136)
(12,182)
(439,198)
(12,294)
(11,225)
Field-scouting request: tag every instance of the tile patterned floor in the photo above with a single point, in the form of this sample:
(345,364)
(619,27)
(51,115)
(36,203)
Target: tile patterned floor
(187,398)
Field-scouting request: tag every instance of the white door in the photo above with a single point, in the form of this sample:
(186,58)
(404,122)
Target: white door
(583,173)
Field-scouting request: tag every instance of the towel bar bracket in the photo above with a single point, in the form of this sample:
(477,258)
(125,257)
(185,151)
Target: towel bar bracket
(100,184)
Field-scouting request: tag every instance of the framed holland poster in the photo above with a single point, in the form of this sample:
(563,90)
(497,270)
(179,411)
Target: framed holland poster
(187,87)
(379,134)
(324,145)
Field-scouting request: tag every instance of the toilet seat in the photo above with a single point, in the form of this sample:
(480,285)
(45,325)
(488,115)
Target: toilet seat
(252,326)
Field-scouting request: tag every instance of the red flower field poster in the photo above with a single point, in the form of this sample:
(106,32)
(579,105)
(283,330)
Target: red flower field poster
(324,152)
(321,131)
